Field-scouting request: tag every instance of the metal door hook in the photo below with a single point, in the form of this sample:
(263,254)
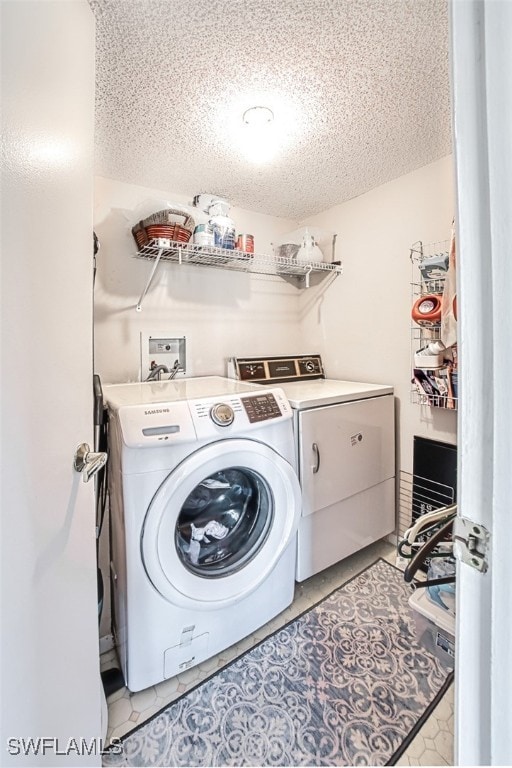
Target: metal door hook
(87,462)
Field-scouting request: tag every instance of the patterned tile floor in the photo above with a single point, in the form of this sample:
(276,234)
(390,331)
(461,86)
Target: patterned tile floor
(432,746)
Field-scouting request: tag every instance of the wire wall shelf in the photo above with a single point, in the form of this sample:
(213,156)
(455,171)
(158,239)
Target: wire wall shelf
(302,275)
(437,386)
(423,280)
(420,250)
(436,401)
(444,392)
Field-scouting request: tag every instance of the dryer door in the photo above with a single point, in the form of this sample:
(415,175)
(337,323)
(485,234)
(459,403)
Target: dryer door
(219,523)
(345,449)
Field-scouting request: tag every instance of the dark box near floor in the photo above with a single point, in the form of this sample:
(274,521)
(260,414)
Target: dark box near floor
(434,477)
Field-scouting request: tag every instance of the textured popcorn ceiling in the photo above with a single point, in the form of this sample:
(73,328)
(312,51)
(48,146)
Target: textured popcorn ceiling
(359,88)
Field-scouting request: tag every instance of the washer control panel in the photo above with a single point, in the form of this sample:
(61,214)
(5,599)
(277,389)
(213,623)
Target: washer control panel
(235,414)
(261,407)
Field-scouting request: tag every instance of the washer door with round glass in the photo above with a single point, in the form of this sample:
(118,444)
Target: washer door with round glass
(219,522)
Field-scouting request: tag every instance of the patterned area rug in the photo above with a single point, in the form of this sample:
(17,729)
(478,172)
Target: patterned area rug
(345,683)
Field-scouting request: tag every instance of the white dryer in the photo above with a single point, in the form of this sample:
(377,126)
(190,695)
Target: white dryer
(205,504)
(345,442)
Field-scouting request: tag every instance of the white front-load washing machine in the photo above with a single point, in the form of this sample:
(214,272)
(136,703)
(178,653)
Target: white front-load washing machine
(204,504)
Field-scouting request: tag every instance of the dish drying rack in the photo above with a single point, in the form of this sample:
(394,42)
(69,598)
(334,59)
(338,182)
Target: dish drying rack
(423,335)
(419,497)
(300,275)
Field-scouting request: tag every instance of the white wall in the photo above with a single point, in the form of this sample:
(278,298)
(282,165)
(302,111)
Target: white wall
(221,313)
(362,325)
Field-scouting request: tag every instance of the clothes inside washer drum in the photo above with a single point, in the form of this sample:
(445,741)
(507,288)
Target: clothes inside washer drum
(223,519)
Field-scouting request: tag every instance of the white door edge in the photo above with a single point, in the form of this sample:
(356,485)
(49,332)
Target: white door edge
(482,87)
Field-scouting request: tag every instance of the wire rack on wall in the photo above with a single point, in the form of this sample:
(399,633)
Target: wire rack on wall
(421,251)
(435,386)
(302,275)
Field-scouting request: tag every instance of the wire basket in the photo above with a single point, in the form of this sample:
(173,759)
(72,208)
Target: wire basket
(163,224)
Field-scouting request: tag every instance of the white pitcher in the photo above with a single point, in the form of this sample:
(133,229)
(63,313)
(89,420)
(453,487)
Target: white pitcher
(309,252)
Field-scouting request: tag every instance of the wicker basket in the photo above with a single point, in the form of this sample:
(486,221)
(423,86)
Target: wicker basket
(162,225)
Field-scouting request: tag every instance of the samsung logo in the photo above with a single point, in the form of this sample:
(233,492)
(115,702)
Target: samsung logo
(156,410)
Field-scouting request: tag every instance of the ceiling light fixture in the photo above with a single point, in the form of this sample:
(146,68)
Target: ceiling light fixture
(258,135)
(258,116)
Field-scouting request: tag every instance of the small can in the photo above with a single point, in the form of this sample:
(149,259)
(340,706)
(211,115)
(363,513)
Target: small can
(245,243)
(203,235)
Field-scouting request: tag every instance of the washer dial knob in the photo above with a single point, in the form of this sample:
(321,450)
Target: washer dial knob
(222,414)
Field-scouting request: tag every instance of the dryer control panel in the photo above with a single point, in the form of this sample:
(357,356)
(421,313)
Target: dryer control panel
(274,370)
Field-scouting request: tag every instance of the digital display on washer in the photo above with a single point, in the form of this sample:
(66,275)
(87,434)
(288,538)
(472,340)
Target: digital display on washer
(261,407)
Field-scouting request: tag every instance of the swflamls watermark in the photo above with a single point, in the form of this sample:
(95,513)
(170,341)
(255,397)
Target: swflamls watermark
(50,745)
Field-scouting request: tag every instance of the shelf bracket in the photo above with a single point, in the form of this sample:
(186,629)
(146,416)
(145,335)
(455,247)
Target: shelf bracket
(150,280)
